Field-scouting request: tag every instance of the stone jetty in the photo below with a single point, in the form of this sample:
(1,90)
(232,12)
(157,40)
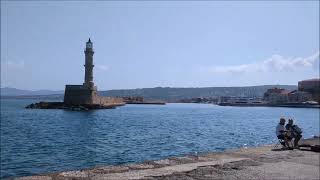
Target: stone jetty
(81,107)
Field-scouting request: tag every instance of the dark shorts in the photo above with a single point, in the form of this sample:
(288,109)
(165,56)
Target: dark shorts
(281,136)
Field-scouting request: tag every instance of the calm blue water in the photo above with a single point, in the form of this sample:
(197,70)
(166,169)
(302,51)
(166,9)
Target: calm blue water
(39,141)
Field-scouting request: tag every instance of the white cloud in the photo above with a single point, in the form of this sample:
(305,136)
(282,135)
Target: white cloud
(102,67)
(275,63)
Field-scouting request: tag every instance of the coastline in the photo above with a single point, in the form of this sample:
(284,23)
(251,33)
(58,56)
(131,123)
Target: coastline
(298,105)
(58,99)
(263,162)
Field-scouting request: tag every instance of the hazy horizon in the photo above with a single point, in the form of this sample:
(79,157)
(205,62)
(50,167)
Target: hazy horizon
(159,44)
(160,87)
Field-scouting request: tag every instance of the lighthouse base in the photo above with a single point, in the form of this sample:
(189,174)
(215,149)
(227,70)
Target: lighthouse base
(80,95)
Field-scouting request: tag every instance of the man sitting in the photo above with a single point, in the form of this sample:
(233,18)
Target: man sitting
(282,133)
(295,132)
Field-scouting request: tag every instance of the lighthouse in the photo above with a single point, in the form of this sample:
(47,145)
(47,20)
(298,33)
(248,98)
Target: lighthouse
(86,94)
(88,77)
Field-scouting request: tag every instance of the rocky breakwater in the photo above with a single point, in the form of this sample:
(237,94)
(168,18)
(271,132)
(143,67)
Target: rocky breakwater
(62,105)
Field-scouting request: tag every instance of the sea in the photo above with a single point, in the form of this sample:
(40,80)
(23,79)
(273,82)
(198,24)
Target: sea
(36,141)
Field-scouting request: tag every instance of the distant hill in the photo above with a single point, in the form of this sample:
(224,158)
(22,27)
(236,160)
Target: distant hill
(167,93)
(164,93)
(19,92)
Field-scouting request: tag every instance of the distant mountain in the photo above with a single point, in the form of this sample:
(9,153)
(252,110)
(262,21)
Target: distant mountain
(19,92)
(163,93)
(167,93)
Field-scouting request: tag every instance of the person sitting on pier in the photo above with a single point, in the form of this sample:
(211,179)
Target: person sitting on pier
(295,132)
(282,133)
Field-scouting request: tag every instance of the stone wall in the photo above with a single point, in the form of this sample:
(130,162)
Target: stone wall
(78,94)
(107,100)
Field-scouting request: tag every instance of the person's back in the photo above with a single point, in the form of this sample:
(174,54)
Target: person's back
(295,131)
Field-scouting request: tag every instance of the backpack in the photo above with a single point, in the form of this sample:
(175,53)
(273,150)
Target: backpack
(297,129)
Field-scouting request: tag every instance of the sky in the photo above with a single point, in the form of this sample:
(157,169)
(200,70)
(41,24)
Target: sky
(142,44)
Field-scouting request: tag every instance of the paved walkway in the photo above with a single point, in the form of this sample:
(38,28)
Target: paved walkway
(252,163)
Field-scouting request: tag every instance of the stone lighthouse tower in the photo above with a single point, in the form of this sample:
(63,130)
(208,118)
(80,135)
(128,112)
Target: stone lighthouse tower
(88,78)
(86,94)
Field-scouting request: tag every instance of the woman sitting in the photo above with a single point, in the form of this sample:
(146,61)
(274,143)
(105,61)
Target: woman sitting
(295,132)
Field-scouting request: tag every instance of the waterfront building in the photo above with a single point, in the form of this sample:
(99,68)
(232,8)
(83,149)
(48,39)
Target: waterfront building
(276,96)
(311,86)
(299,96)
(87,92)
(239,100)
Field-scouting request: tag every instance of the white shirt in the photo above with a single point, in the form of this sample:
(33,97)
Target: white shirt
(279,128)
